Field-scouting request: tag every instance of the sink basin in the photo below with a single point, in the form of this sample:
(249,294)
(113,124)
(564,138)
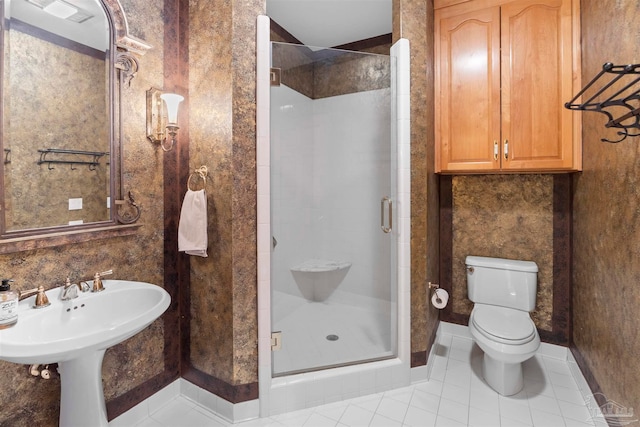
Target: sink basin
(93,321)
(76,333)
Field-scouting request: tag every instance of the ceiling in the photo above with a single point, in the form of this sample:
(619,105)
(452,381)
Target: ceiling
(321,23)
(93,32)
(329,23)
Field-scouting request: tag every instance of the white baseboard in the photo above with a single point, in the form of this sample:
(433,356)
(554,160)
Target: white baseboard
(148,406)
(232,412)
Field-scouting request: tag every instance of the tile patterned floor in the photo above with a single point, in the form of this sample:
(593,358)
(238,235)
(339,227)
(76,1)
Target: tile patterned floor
(455,395)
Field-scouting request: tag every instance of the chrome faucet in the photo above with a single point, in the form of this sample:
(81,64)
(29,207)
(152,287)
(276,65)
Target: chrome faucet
(70,290)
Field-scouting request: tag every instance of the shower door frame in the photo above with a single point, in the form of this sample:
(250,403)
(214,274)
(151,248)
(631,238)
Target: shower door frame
(333,183)
(298,391)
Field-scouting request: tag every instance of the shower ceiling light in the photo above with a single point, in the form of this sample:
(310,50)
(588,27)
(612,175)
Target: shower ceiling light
(63,10)
(60,9)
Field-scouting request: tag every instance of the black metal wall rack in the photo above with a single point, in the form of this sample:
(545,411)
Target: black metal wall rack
(70,157)
(614,92)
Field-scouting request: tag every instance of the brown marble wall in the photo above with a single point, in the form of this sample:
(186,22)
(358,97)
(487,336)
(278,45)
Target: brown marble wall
(211,92)
(510,216)
(413,20)
(326,73)
(222,352)
(39,115)
(504,216)
(350,73)
(139,366)
(606,220)
(296,64)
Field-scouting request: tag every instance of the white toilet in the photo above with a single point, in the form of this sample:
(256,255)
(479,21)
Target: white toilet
(503,292)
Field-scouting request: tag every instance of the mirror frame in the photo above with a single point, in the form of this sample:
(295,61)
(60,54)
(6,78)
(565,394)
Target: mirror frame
(123,66)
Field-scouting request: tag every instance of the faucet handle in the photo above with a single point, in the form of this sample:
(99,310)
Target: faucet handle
(97,283)
(41,298)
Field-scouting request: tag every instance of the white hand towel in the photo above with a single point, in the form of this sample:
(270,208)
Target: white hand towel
(192,229)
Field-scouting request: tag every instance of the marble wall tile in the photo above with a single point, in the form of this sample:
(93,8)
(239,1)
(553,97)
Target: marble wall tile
(606,219)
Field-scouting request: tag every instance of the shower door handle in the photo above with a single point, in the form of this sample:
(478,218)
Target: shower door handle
(386,200)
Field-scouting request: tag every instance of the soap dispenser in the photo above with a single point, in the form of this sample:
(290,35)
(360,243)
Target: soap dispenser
(8,305)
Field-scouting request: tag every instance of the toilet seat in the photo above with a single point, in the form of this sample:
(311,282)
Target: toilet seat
(503,325)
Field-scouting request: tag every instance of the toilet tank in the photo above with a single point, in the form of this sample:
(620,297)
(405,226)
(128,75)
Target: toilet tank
(502,282)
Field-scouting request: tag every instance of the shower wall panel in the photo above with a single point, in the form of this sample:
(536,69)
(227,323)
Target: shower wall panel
(334,155)
(291,184)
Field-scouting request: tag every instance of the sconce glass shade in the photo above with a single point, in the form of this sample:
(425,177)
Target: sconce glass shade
(162,128)
(173,101)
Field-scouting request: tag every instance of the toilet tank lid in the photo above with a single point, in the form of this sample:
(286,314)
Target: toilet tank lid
(502,263)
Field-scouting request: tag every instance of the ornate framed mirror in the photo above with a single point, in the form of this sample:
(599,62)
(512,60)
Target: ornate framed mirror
(64,66)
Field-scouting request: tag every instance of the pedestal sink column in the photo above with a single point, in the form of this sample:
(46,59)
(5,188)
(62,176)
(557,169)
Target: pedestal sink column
(81,394)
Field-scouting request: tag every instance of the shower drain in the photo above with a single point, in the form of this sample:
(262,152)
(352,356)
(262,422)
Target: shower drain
(332,337)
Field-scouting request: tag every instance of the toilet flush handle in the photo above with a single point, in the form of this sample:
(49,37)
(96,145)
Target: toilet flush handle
(470,270)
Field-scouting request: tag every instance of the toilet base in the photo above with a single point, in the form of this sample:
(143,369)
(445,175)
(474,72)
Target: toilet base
(505,378)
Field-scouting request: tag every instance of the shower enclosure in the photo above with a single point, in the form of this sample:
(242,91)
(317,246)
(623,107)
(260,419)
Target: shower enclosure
(334,223)
(333,189)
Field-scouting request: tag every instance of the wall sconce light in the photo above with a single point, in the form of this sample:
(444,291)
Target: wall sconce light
(162,124)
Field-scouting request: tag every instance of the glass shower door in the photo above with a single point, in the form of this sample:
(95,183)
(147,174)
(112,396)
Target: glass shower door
(333,272)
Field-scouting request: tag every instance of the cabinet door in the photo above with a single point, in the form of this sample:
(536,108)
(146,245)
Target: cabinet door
(467,90)
(536,81)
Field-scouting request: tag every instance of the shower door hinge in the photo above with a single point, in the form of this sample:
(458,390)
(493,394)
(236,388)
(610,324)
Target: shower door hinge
(276,340)
(274,76)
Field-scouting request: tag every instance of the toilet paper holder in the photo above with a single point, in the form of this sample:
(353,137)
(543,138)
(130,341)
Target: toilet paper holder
(435,287)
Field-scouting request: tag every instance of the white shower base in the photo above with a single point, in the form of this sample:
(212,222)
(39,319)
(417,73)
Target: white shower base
(362,330)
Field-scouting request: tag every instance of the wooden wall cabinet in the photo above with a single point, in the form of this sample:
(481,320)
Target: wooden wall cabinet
(503,71)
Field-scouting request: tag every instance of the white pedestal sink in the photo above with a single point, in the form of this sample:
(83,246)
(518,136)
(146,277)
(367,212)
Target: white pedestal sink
(75,334)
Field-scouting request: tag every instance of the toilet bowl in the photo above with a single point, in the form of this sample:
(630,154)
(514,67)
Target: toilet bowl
(503,292)
(507,337)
